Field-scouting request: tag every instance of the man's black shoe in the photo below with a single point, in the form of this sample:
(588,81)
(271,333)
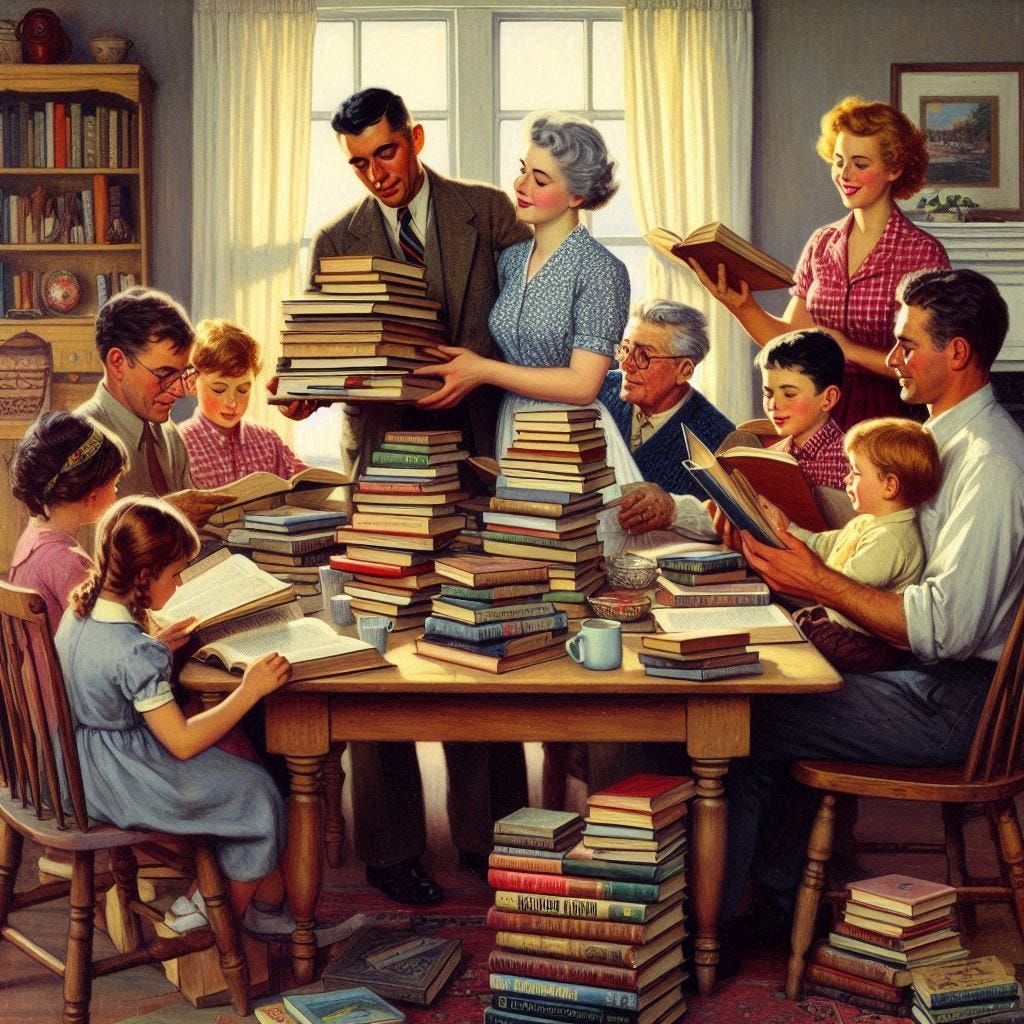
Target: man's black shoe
(406,882)
(474,862)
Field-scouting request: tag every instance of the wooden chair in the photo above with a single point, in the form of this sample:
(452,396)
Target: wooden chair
(992,776)
(37,748)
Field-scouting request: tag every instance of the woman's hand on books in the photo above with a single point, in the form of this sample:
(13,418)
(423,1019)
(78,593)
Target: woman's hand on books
(266,674)
(462,373)
(646,507)
(776,517)
(177,634)
(729,297)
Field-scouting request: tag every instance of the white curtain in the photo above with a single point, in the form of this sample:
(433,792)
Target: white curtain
(689,99)
(251,102)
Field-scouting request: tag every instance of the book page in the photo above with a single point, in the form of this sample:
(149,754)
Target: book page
(298,640)
(753,619)
(231,584)
(275,616)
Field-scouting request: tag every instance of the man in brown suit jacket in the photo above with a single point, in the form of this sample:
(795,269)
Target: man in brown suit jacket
(462,227)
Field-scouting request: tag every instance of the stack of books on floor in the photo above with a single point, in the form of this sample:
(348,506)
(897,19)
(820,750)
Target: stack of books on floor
(708,579)
(404,515)
(891,921)
(491,614)
(964,991)
(358,338)
(606,948)
(290,543)
(701,657)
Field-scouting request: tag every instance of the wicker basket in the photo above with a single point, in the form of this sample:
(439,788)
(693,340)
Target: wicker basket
(26,364)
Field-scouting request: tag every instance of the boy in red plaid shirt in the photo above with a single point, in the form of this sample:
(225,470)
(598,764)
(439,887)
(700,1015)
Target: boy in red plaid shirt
(222,448)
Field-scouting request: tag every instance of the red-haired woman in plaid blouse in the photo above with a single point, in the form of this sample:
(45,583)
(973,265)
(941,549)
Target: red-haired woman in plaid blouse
(847,275)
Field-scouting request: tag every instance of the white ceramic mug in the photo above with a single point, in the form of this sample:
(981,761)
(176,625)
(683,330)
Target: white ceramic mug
(598,645)
(374,629)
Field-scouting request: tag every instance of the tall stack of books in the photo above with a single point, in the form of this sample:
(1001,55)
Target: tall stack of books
(890,925)
(964,991)
(404,514)
(699,657)
(290,542)
(584,938)
(491,614)
(358,338)
(708,579)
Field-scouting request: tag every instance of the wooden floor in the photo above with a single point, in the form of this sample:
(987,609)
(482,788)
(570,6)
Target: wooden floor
(31,995)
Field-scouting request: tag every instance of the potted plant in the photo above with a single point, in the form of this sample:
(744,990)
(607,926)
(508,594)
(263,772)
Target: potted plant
(952,207)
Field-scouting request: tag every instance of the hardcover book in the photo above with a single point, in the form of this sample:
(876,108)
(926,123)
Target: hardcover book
(457,654)
(538,821)
(366,264)
(263,485)
(645,792)
(293,519)
(975,980)
(902,893)
(397,965)
(480,571)
(342,1006)
(632,979)
(765,625)
(506,1008)
(628,933)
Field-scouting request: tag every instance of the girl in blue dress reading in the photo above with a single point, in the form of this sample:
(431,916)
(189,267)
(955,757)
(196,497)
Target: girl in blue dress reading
(144,765)
(564,297)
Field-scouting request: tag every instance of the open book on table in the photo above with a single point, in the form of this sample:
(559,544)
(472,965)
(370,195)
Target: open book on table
(305,487)
(714,243)
(766,624)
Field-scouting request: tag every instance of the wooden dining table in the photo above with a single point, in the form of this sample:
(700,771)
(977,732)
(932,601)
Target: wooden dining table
(416,698)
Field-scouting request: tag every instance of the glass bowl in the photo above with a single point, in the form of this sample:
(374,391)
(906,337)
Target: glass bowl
(620,605)
(631,572)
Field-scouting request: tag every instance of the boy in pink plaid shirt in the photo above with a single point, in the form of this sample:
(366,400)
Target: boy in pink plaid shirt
(222,448)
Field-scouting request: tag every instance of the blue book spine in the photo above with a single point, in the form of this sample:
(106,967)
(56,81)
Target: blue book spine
(730,508)
(493,630)
(705,674)
(712,561)
(504,489)
(495,649)
(564,991)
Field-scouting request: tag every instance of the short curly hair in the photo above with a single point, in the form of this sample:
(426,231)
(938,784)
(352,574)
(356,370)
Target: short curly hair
(902,143)
(226,348)
(580,152)
(903,448)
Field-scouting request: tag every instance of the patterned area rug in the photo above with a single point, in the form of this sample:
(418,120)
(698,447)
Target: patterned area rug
(755,996)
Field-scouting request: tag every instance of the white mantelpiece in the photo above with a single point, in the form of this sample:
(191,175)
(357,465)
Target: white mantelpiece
(997,251)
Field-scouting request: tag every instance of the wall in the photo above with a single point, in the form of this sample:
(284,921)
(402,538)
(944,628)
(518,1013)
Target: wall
(811,53)
(162,34)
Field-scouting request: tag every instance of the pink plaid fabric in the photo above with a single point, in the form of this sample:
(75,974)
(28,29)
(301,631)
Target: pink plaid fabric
(863,307)
(216,459)
(822,459)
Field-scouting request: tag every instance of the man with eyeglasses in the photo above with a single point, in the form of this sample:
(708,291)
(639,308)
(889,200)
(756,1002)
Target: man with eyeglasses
(650,397)
(143,338)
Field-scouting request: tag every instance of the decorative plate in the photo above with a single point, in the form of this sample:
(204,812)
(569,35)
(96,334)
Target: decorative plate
(62,292)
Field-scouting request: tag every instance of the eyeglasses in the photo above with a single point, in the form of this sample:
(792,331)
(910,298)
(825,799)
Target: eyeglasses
(642,357)
(170,380)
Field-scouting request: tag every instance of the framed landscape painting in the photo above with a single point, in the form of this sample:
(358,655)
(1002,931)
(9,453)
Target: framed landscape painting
(973,119)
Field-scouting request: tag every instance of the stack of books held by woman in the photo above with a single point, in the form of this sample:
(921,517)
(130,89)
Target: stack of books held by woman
(708,579)
(604,948)
(891,924)
(492,614)
(360,335)
(700,657)
(404,515)
(964,991)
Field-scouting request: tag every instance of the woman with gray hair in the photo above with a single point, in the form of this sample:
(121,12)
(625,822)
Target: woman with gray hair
(564,297)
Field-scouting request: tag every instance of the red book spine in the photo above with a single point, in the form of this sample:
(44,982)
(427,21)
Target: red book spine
(860,966)
(367,487)
(509,864)
(864,935)
(504,962)
(549,885)
(543,924)
(60,138)
(100,207)
(851,983)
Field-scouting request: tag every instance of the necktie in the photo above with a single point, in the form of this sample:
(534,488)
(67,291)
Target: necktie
(156,473)
(412,247)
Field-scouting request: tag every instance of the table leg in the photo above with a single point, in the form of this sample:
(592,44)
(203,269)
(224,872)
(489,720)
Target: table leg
(708,839)
(334,831)
(303,863)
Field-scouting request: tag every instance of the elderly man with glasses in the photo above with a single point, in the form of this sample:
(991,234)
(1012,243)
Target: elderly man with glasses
(650,397)
(143,338)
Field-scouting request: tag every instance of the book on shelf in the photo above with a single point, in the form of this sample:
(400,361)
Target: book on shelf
(349,1005)
(508,1008)
(626,932)
(293,519)
(861,966)
(752,593)
(443,650)
(974,980)
(368,264)
(902,893)
(629,978)
(398,965)
(769,624)
(712,244)
(311,646)
(644,792)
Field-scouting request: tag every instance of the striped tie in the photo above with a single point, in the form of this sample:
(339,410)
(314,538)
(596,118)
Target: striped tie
(412,247)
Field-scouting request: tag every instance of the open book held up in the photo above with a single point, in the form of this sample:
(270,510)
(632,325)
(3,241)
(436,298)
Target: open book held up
(265,485)
(714,243)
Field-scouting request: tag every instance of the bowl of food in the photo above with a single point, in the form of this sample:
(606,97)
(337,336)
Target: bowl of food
(620,605)
(631,572)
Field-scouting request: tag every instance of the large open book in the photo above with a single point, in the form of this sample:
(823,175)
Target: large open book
(768,624)
(219,587)
(311,646)
(714,243)
(266,485)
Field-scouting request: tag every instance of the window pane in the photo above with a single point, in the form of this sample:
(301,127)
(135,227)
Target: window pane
(410,58)
(635,258)
(608,86)
(333,185)
(333,70)
(617,217)
(436,152)
(511,145)
(542,64)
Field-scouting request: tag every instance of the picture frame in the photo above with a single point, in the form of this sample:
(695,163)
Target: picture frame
(973,118)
